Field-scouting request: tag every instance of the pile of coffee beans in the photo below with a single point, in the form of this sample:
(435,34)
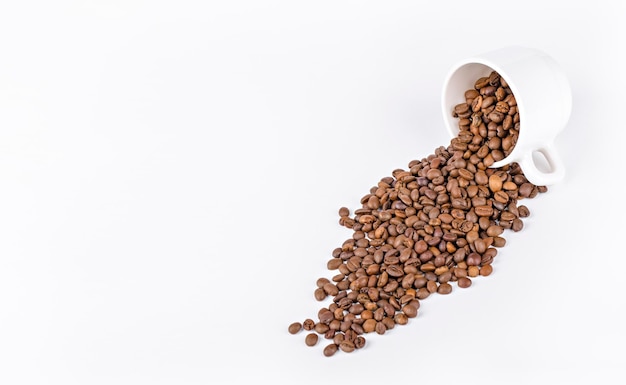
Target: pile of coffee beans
(425,229)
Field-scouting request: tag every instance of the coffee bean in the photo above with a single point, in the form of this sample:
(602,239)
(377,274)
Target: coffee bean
(322,281)
(483,211)
(369,325)
(480,246)
(471,94)
(473,271)
(488,90)
(486,270)
(330,350)
(311,339)
(308,324)
(518,225)
(501,197)
(526,189)
(510,99)
(325,315)
(347,346)
(481,178)
(334,264)
(444,288)
(461,109)
(464,282)
(330,289)
(473,259)
(494,78)
(494,230)
(423,293)
(401,319)
(481,82)
(359,342)
(500,93)
(380,328)
(495,183)
(488,101)
(320,294)
(410,311)
(431,286)
(502,107)
(295,327)
(523,211)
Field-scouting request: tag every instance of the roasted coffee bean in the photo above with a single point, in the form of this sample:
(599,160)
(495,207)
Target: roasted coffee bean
(464,282)
(380,328)
(471,94)
(502,107)
(486,270)
(401,319)
(410,311)
(357,328)
(473,259)
(423,293)
(359,342)
(295,327)
(501,197)
(311,339)
(330,350)
(347,346)
(494,79)
(325,315)
(334,264)
(488,90)
(321,282)
(444,288)
(320,294)
(500,93)
(388,322)
(526,189)
(480,246)
(308,324)
(481,82)
(330,289)
(321,328)
(495,183)
(483,211)
(369,325)
(481,178)
(494,230)
(488,101)
(499,242)
(523,211)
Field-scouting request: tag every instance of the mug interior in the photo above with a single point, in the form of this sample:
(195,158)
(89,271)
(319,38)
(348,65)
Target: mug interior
(461,78)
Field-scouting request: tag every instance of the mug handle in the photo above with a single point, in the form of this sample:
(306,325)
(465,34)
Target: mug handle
(541,177)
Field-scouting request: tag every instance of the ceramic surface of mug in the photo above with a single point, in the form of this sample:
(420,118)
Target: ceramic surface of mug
(544,102)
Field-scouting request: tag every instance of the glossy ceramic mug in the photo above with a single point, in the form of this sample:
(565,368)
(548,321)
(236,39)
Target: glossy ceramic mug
(544,102)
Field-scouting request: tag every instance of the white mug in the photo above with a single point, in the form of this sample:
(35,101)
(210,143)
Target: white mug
(544,102)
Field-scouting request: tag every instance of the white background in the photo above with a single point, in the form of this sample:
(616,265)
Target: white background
(170,174)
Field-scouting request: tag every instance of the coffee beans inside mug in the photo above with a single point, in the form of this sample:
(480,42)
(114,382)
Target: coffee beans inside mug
(425,229)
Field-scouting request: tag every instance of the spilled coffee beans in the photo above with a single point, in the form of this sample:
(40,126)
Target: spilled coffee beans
(426,229)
